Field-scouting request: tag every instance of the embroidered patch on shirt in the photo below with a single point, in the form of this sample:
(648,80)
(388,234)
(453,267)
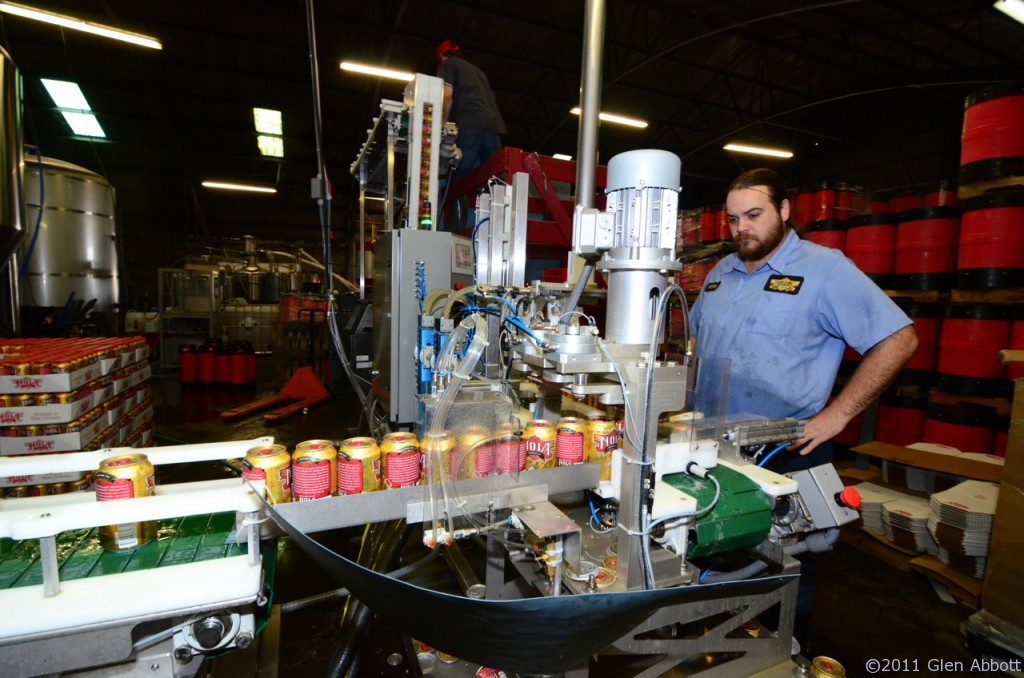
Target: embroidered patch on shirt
(711,287)
(784,284)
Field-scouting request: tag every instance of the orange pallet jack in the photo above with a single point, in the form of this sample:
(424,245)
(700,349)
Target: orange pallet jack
(303,387)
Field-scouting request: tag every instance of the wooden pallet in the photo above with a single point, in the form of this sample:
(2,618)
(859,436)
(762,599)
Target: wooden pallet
(963,587)
(919,296)
(1006,295)
(1000,406)
(965,192)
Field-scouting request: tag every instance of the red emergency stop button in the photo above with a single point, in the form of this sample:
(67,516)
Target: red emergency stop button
(849,498)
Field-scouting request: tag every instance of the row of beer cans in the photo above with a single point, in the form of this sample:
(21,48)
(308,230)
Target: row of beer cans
(319,468)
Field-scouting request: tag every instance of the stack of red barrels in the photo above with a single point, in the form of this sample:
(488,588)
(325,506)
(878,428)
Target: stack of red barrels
(216,362)
(67,395)
(703,238)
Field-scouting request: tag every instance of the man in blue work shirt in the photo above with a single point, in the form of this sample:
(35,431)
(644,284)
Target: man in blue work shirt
(782,310)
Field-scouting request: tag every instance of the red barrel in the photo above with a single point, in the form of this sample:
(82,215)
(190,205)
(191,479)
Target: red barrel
(926,241)
(844,201)
(968,430)
(871,244)
(708,227)
(880,202)
(222,365)
(972,336)
(991,252)
(942,194)
(825,200)
(207,373)
(908,198)
(237,371)
(722,231)
(992,144)
(928,323)
(188,364)
(827,233)
(901,419)
(250,363)
(804,206)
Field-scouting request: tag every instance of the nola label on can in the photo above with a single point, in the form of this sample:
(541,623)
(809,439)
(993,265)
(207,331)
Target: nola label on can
(311,478)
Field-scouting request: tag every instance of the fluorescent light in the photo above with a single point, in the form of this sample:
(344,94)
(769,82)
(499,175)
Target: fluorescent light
(1011,8)
(561,156)
(758,150)
(80,25)
(618,119)
(238,187)
(84,124)
(373,70)
(267,121)
(66,94)
(270,145)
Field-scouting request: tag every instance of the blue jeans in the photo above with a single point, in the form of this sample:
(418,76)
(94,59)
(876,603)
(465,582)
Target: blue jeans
(477,144)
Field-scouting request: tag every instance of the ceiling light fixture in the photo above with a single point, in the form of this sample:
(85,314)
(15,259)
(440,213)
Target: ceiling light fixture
(561,156)
(79,25)
(270,145)
(71,103)
(1011,8)
(617,119)
(758,150)
(238,187)
(267,121)
(353,67)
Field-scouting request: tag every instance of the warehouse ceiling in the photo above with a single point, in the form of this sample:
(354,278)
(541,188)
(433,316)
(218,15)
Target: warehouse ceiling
(866,91)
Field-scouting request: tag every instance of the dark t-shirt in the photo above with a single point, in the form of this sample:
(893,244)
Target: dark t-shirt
(473,102)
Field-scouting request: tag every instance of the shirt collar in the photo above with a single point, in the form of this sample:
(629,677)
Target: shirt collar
(778,260)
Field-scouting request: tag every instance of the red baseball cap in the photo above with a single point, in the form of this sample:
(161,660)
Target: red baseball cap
(447,47)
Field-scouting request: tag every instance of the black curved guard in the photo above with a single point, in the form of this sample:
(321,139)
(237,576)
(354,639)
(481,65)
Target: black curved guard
(531,635)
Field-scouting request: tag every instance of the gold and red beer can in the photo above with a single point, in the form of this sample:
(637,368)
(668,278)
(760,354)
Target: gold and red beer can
(272,465)
(359,466)
(474,455)
(314,470)
(401,458)
(602,438)
(438,449)
(509,450)
(570,441)
(540,438)
(125,476)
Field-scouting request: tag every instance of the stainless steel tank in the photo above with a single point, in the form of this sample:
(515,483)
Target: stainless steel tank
(75,251)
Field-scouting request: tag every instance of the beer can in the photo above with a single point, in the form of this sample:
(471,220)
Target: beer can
(20,369)
(358,466)
(24,400)
(125,476)
(314,470)
(17,492)
(81,485)
(38,490)
(58,488)
(604,578)
(611,562)
(271,464)
(602,438)
(509,450)
(400,456)
(68,397)
(42,399)
(53,429)
(540,437)
(826,667)
(570,441)
(437,451)
(473,458)
(62,367)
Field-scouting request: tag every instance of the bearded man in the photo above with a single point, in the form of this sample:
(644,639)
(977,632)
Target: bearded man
(782,310)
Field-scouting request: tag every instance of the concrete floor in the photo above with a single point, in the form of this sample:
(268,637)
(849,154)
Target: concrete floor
(864,609)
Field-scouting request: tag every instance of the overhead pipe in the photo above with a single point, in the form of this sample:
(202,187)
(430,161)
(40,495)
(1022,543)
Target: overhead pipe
(590,108)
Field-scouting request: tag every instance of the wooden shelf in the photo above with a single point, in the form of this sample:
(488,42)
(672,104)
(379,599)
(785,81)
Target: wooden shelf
(946,463)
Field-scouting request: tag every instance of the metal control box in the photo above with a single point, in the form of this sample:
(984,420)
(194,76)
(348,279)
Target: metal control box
(407,262)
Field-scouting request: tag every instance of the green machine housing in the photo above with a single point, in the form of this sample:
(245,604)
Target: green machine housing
(741,518)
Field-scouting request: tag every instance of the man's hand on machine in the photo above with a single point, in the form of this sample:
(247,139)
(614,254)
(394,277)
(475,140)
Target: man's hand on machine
(819,429)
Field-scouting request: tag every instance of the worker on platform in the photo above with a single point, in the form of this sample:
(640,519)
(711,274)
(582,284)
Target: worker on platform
(782,310)
(469,103)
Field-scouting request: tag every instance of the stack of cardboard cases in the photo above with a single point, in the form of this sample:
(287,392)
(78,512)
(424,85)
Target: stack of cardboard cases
(68,395)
